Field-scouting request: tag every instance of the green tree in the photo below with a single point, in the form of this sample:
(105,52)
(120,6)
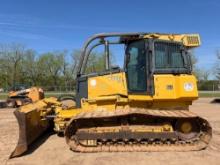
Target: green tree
(217,67)
(96,62)
(75,56)
(201,74)
(19,65)
(11,56)
(50,64)
(194,60)
(31,67)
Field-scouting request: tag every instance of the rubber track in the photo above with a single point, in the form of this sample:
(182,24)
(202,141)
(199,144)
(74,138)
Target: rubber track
(201,143)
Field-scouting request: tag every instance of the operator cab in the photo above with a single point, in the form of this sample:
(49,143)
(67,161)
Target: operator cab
(146,57)
(146,54)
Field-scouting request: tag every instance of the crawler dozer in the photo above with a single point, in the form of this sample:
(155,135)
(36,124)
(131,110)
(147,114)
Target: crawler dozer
(143,106)
(20,97)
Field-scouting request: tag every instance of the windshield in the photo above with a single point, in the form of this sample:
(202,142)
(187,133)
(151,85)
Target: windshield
(169,56)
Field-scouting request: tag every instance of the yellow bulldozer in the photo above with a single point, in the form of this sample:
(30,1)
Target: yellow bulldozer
(24,96)
(143,106)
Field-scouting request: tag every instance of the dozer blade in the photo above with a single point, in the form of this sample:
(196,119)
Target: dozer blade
(31,126)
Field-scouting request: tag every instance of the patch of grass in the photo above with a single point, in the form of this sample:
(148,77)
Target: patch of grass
(4,96)
(209,94)
(57,94)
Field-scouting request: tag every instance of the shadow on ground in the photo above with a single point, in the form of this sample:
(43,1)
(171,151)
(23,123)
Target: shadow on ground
(216,100)
(38,142)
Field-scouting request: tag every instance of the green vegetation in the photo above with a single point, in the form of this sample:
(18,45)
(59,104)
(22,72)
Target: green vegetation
(209,94)
(3,96)
(208,85)
(51,70)
(56,70)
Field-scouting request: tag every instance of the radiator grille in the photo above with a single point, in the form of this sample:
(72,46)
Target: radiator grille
(192,40)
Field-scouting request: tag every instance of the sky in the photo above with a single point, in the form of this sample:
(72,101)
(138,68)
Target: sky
(48,25)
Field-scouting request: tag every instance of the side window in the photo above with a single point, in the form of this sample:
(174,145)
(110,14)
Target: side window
(117,52)
(96,61)
(136,66)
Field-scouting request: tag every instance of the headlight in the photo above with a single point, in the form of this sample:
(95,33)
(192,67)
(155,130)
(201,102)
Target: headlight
(188,86)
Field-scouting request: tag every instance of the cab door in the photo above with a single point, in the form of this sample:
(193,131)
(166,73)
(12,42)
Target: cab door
(136,67)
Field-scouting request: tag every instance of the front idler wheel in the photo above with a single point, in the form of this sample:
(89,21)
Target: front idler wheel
(187,129)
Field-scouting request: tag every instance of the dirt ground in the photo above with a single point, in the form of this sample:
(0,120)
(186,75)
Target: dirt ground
(52,150)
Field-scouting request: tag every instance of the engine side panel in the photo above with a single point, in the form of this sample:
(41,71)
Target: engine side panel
(170,92)
(168,87)
(107,85)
